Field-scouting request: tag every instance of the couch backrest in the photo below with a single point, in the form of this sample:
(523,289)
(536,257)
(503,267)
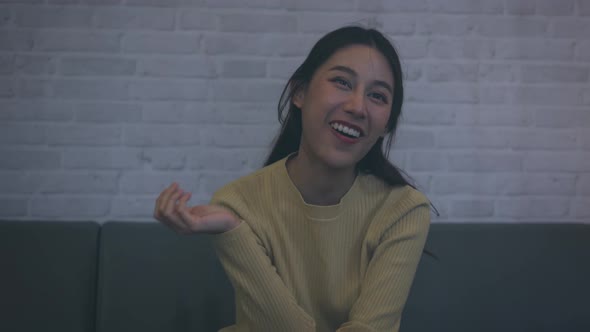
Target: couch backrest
(152,279)
(502,277)
(48,276)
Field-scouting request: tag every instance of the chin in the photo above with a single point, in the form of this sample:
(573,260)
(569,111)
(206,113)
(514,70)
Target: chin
(341,160)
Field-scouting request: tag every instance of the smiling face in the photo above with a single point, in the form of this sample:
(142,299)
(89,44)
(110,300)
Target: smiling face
(345,106)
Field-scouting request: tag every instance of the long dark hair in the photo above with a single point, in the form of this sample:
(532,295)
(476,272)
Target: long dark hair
(376,161)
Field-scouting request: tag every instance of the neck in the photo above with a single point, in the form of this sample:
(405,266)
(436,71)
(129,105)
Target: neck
(317,183)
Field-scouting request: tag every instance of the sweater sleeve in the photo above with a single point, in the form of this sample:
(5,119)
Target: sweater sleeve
(390,273)
(264,303)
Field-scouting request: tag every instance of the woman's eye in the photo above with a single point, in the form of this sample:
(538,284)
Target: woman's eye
(379,96)
(341,81)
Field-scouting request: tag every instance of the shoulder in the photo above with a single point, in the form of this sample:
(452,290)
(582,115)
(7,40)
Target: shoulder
(244,188)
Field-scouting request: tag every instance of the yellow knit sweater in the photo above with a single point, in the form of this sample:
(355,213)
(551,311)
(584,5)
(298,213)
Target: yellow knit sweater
(300,267)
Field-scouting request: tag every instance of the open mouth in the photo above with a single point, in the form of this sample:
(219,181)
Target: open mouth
(347,130)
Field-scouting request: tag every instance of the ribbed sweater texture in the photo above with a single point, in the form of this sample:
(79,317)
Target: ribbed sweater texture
(300,267)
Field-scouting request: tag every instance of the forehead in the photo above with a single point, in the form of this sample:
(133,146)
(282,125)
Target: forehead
(366,61)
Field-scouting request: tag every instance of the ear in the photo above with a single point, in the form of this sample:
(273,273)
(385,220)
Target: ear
(299,97)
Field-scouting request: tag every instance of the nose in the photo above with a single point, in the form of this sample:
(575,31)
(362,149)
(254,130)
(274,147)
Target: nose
(356,105)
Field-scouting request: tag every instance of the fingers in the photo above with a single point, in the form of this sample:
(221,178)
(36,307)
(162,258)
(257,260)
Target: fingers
(163,199)
(165,210)
(182,210)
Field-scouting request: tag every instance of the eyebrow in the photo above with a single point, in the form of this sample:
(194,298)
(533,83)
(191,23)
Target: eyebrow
(353,73)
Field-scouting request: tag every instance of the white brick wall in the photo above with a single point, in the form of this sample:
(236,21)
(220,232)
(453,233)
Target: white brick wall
(103,103)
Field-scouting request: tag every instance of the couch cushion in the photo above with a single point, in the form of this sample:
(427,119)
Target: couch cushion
(152,279)
(502,277)
(48,276)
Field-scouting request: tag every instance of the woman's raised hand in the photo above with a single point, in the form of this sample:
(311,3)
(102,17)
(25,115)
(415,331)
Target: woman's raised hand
(211,219)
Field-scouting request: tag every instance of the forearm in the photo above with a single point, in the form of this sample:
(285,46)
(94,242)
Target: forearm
(266,303)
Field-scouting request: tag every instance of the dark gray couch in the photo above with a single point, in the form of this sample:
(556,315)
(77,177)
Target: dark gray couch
(121,276)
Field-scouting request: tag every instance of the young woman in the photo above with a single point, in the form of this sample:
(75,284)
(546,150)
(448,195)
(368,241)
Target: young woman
(328,235)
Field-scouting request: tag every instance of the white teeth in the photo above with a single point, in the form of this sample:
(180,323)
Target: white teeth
(346,130)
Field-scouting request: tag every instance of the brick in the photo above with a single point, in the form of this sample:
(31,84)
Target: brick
(87,2)
(257,113)
(322,22)
(16,40)
(7,88)
(16,134)
(33,88)
(412,71)
(555,8)
(410,139)
(111,158)
(89,135)
(427,161)
(471,138)
(13,159)
(77,41)
(249,44)
(497,72)
(236,3)
(583,51)
(570,28)
(469,184)
(583,184)
(561,118)
(468,6)
(211,182)
(6,64)
(134,207)
(330,5)
(534,49)
(472,208)
(34,64)
(532,208)
(448,93)
(532,139)
(105,112)
(521,7)
(244,68)
(559,95)
(6,14)
(13,207)
(446,25)
(580,208)
(557,161)
(138,182)
(555,74)
(584,137)
(494,116)
(97,66)
(165,158)
(198,19)
(512,27)
(169,90)
(584,7)
(536,184)
(53,17)
(395,6)
(26,110)
(485,162)
(160,43)
(210,159)
(235,136)
(493,94)
(452,72)
(180,112)
(461,49)
(154,3)
(161,135)
(420,114)
(19,182)
(134,18)
(70,206)
(254,91)
(90,89)
(258,23)
(412,48)
(78,183)
(177,67)
(283,68)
